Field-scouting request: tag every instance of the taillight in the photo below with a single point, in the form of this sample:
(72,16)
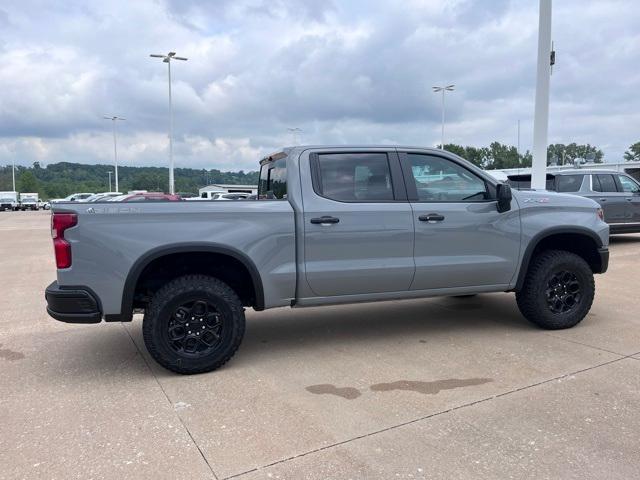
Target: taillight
(59,223)
(600,213)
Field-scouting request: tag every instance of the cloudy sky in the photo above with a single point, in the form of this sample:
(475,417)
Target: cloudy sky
(357,71)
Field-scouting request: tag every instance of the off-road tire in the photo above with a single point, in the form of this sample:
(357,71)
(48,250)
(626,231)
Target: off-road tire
(160,310)
(532,297)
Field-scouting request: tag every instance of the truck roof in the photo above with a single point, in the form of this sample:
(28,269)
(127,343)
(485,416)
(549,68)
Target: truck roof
(287,150)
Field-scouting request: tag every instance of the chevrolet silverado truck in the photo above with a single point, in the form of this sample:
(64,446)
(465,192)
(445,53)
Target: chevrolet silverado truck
(330,225)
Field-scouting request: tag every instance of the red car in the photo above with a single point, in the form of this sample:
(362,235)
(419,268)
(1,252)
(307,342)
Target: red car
(148,197)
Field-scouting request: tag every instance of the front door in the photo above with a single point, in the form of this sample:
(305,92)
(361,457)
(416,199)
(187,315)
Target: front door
(632,190)
(358,224)
(461,238)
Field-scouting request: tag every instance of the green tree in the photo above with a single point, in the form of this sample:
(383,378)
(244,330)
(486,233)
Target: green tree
(28,182)
(497,155)
(503,156)
(633,153)
(456,149)
(563,154)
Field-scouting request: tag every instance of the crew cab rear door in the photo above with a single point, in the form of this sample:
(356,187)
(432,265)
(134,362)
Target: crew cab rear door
(461,240)
(358,225)
(611,198)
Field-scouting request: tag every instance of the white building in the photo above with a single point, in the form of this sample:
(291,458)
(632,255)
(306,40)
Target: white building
(210,190)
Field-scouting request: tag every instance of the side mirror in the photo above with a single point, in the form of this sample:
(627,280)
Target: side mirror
(503,195)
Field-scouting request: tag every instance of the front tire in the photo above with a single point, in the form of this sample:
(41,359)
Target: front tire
(194,324)
(558,290)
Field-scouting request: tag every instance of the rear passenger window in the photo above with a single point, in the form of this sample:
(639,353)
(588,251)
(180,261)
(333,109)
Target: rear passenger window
(568,183)
(604,183)
(273,180)
(354,177)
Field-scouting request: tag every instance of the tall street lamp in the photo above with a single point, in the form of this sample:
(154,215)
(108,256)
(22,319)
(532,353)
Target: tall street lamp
(294,131)
(114,119)
(446,88)
(167,59)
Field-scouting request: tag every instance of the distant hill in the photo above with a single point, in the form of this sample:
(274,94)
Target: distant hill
(61,179)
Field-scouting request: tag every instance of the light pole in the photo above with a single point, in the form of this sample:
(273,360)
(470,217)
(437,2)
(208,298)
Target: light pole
(114,119)
(109,172)
(13,171)
(294,131)
(167,59)
(447,88)
(541,114)
(518,141)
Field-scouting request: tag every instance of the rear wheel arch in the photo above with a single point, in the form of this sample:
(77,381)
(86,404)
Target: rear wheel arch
(581,241)
(172,253)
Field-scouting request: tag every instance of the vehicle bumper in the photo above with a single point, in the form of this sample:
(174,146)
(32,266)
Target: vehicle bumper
(72,304)
(604,259)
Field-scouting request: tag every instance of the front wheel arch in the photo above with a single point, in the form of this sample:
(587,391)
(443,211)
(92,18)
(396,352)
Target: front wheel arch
(580,241)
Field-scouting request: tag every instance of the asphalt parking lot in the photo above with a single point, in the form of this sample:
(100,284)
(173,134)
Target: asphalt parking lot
(438,388)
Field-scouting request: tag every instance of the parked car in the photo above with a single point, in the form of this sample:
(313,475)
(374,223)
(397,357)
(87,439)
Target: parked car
(332,225)
(149,196)
(9,201)
(186,195)
(44,204)
(29,201)
(231,196)
(617,193)
(74,197)
(101,197)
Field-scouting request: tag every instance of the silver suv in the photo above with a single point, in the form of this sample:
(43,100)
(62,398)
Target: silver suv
(617,193)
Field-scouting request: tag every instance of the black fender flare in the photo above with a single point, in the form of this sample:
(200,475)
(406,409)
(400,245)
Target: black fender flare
(535,241)
(126,308)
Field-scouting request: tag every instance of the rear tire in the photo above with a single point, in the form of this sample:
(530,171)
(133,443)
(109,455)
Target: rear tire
(194,324)
(558,290)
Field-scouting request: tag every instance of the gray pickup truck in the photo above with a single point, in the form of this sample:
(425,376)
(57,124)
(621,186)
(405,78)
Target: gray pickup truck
(331,225)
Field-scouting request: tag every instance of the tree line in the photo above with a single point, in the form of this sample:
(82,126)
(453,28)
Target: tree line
(58,180)
(61,179)
(498,155)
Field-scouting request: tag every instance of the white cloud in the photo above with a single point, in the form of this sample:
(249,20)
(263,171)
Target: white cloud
(356,72)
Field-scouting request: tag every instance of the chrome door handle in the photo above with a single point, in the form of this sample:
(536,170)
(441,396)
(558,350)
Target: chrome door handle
(431,218)
(325,221)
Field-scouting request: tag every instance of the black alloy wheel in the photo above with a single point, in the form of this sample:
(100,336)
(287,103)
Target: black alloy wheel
(195,328)
(563,292)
